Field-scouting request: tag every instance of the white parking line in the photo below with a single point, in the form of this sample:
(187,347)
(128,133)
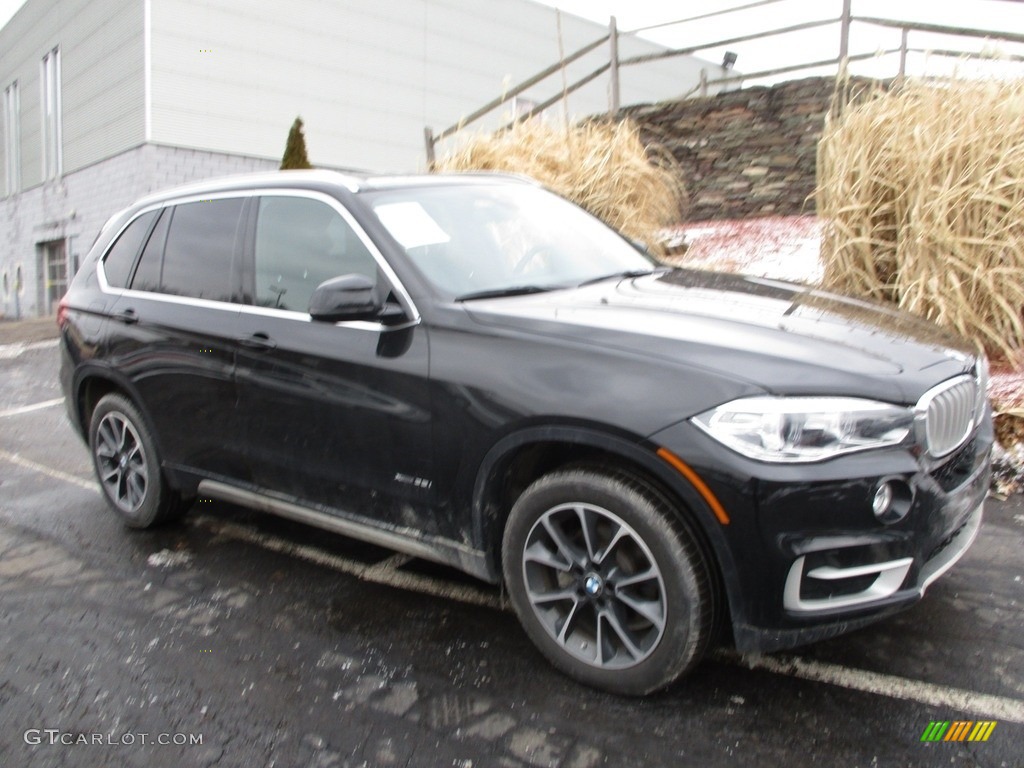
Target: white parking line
(11,351)
(385,572)
(56,474)
(30,408)
(954,700)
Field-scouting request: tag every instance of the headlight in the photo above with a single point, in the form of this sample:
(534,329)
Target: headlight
(802,429)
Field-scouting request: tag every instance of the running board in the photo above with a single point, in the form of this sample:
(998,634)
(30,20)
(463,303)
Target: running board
(445,553)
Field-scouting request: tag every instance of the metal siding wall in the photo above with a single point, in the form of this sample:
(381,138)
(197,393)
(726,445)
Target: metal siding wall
(21,40)
(366,76)
(103,81)
(101,75)
(234,76)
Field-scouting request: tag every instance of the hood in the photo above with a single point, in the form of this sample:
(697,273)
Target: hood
(782,337)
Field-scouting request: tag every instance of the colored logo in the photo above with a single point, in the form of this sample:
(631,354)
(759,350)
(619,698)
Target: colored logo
(958,730)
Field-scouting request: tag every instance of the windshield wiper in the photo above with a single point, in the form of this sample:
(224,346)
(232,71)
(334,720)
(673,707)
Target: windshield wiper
(498,293)
(624,275)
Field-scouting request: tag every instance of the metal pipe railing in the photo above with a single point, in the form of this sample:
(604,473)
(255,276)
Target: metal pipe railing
(615,62)
(689,51)
(497,102)
(789,69)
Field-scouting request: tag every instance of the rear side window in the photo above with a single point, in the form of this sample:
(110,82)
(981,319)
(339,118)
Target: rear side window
(200,250)
(117,264)
(301,242)
(147,274)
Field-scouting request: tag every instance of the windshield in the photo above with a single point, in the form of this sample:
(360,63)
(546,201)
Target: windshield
(486,240)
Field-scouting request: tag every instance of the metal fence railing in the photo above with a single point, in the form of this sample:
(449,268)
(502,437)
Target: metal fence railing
(845,20)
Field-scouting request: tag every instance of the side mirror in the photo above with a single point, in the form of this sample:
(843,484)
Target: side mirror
(349,297)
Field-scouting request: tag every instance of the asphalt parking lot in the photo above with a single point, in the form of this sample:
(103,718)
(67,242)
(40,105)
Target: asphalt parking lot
(235,639)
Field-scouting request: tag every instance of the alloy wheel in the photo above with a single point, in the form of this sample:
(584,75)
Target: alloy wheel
(121,462)
(594,586)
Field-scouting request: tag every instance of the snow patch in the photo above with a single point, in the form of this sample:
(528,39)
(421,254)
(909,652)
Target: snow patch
(167,558)
(778,247)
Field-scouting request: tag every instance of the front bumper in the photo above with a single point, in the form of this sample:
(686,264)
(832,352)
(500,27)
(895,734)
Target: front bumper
(815,584)
(885,596)
(807,558)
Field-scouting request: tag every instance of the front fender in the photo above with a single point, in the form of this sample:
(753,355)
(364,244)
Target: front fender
(638,456)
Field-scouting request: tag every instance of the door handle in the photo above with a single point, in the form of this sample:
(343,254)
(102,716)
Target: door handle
(258,341)
(126,316)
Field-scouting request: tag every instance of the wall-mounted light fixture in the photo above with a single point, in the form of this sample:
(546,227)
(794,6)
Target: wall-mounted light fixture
(729,60)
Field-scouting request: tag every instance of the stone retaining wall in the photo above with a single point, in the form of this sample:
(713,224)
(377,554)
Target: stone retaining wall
(744,153)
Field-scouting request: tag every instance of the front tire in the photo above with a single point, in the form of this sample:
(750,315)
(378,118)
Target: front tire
(127,465)
(608,583)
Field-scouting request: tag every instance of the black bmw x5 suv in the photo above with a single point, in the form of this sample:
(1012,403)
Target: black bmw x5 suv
(472,370)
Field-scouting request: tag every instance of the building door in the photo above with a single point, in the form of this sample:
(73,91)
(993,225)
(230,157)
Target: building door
(53,268)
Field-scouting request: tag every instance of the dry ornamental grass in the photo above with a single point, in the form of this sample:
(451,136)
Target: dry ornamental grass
(603,167)
(922,193)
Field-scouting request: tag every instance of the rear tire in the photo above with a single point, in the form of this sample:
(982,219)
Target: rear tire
(606,580)
(127,465)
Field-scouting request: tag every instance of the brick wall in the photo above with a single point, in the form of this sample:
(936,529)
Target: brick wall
(74,208)
(744,153)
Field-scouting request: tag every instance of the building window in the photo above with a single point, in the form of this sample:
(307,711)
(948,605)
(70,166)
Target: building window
(12,139)
(50,100)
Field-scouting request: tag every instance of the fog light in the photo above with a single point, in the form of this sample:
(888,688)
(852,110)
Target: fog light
(883,500)
(892,500)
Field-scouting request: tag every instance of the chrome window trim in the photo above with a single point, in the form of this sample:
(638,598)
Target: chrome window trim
(341,210)
(168,298)
(102,275)
(285,314)
(304,317)
(349,219)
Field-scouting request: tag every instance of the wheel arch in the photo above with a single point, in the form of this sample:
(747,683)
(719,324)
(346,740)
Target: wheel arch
(518,459)
(91,384)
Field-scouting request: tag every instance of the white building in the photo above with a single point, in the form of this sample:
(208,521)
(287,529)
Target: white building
(106,100)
